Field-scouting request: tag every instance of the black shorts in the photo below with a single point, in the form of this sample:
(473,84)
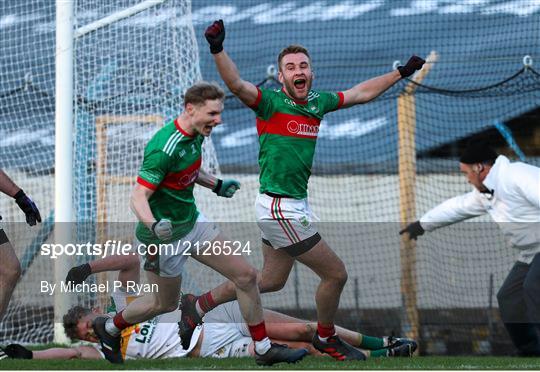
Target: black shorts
(299,248)
(3,236)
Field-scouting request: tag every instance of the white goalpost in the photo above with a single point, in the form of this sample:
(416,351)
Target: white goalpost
(63,181)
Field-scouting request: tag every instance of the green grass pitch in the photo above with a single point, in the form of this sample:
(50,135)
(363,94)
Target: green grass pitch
(317,363)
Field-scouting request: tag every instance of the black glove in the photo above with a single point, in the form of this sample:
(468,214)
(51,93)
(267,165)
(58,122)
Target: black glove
(215,34)
(413,64)
(28,207)
(16,351)
(414,229)
(78,274)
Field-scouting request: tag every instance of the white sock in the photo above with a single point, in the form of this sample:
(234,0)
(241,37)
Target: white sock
(385,341)
(111,328)
(261,347)
(199,310)
(324,339)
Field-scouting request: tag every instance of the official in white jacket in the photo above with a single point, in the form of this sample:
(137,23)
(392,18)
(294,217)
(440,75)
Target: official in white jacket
(510,193)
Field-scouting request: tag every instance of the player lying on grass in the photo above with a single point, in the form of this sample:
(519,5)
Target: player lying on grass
(223,334)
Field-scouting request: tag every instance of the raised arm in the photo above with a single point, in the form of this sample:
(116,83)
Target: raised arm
(372,88)
(244,90)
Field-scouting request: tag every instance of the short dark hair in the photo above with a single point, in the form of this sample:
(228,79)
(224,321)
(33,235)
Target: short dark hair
(203,91)
(71,319)
(489,162)
(292,49)
(478,151)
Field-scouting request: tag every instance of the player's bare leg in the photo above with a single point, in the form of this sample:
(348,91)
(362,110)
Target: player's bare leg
(244,277)
(277,266)
(154,303)
(331,270)
(329,267)
(285,327)
(276,269)
(275,272)
(10,271)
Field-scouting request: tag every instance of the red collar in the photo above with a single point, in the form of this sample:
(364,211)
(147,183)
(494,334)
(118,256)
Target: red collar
(177,125)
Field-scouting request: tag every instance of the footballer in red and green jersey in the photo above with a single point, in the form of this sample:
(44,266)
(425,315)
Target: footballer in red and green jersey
(171,164)
(288,132)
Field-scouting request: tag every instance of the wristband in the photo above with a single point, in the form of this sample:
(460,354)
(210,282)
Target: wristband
(19,194)
(215,49)
(217,187)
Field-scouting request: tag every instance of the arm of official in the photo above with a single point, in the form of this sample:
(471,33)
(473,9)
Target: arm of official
(244,90)
(79,352)
(454,210)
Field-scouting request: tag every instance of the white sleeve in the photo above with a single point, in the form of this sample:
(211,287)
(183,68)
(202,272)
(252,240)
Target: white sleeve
(453,210)
(527,180)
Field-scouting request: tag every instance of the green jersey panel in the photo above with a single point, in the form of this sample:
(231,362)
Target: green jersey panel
(171,164)
(288,131)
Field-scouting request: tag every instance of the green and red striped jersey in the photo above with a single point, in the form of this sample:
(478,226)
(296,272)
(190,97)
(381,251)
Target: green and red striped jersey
(288,131)
(172,159)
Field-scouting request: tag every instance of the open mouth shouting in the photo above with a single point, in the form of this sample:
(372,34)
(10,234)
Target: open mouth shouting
(300,83)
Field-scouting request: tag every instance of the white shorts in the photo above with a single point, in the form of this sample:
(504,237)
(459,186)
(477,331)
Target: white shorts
(170,258)
(284,221)
(226,334)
